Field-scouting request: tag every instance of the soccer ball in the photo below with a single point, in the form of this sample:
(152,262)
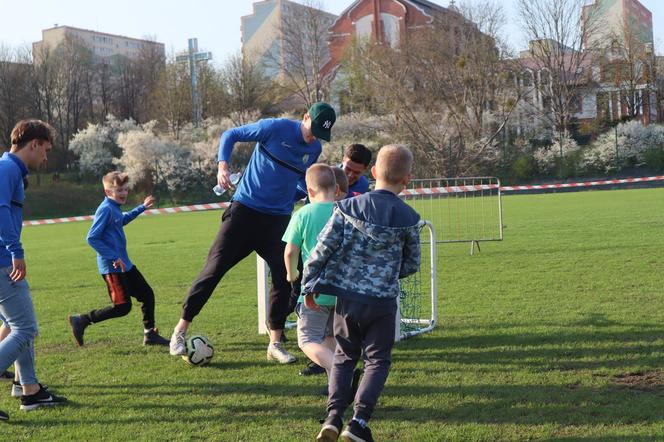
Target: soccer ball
(199,350)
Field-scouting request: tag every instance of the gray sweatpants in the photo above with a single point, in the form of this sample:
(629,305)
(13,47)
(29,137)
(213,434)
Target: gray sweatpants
(360,328)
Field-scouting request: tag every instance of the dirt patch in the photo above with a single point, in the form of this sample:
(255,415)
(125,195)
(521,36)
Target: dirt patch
(644,381)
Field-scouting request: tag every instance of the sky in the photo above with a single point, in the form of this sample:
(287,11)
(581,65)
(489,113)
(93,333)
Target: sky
(216,23)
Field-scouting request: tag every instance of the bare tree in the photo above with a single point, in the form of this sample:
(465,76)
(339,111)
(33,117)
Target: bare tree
(558,32)
(447,89)
(303,50)
(173,96)
(15,90)
(247,85)
(627,65)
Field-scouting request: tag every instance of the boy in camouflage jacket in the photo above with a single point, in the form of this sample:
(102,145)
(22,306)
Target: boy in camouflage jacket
(370,242)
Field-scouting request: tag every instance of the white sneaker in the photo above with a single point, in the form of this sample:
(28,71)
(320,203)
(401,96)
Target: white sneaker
(177,345)
(275,352)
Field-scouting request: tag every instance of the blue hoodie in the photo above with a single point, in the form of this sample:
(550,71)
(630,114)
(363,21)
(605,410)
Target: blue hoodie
(107,236)
(12,194)
(279,161)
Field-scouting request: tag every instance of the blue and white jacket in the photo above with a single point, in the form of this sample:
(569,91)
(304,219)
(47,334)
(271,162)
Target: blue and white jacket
(370,242)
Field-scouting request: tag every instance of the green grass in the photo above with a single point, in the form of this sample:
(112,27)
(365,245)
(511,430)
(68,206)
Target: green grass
(533,332)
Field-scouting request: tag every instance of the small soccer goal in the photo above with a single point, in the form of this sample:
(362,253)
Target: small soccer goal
(418,298)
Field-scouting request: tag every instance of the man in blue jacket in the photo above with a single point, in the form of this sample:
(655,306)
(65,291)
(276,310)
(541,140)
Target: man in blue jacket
(259,213)
(31,141)
(355,163)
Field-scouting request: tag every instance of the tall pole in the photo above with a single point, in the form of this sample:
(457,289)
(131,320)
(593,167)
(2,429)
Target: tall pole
(196,112)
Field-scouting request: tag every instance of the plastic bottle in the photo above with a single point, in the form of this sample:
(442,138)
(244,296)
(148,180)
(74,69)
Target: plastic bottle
(235,178)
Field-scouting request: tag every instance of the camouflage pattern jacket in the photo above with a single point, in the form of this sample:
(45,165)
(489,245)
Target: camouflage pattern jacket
(370,242)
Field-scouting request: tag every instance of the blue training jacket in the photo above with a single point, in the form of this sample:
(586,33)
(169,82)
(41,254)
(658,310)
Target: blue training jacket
(279,161)
(107,236)
(359,187)
(12,195)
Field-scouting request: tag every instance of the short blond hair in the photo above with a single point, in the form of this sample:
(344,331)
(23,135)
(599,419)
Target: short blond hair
(393,163)
(320,178)
(114,179)
(341,178)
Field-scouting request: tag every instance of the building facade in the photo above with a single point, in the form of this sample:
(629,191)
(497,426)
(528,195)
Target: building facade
(263,32)
(389,22)
(103,46)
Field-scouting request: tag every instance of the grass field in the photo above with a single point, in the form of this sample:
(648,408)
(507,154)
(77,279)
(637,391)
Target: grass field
(555,334)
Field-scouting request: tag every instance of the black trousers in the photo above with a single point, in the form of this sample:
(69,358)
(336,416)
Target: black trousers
(242,231)
(121,288)
(361,328)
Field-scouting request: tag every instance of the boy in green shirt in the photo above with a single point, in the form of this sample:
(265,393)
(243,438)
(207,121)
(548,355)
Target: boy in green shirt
(314,324)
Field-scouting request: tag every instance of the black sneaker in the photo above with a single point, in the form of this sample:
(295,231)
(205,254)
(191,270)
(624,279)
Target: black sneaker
(355,432)
(153,338)
(43,398)
(78,324)
(312,369)
(330,430)
(3,416)
(355,384)
(7,376)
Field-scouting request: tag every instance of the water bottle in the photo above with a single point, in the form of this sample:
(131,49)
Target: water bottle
(235,178)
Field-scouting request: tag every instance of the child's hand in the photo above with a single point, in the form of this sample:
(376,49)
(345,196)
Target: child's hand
(310,303)
(18,269)
(119,264)
(292,277)
(148,202)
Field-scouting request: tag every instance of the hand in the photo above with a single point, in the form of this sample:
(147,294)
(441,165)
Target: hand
(310,303)
(119,264)
(148,202)
(292,277)
(224,175)
(18,270)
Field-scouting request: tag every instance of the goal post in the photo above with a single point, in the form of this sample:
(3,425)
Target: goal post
(418,297)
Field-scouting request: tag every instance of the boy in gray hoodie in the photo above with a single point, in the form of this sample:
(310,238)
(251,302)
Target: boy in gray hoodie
(370,242)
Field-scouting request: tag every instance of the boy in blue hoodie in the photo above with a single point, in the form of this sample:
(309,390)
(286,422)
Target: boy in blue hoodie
(122,278)
(370,242)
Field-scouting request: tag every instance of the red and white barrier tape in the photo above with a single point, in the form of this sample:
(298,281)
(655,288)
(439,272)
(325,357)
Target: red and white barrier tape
(479,187)
(406,193)
(193,208)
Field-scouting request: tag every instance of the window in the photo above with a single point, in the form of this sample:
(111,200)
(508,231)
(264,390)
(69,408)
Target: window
(391,30)
(363,27)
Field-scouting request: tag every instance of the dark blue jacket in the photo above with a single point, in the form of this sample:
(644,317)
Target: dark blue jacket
(279,161)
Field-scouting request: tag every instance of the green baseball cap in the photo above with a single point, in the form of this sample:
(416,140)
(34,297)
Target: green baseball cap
(322,119)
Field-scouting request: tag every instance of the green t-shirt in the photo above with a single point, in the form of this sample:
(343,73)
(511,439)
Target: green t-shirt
(303,230)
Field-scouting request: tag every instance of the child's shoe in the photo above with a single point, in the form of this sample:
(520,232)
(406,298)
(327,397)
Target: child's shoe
(177,346)
(355,432)
(78,324)
(275,352)
(330,430)
(3,416)
(43,398)
(152,337)
(7,376)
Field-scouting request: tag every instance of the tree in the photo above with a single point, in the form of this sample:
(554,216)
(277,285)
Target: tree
(558,32)
(247,85)
(303,32)
(16,100)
